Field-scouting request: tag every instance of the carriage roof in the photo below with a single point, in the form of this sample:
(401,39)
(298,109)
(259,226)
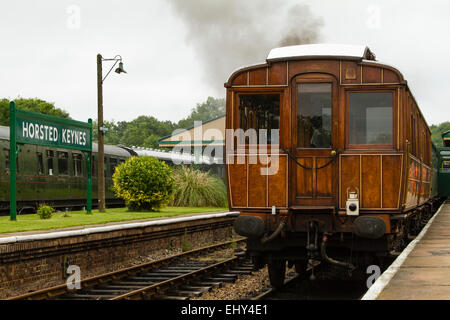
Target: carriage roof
(342,51)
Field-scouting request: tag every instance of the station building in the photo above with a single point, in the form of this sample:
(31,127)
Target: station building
(204,138)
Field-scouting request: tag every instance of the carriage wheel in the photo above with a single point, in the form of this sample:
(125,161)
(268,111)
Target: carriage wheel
(277,271)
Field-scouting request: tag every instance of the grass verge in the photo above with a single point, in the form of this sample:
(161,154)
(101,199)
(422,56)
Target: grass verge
(29,222)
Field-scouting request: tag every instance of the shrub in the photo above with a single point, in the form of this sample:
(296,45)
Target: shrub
(195,188)
(45,212)
(145,183)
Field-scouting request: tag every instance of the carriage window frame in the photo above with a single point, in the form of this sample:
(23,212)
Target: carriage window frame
(6,153)
(395,118)
(50,155)
(63,163)
(40,163)
(77,160)
(330,127)
(236,116)
(113,163)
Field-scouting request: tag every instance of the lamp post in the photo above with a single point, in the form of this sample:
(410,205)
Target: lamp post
(101,129)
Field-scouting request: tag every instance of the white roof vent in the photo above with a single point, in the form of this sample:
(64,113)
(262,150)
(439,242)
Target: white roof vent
(353,52)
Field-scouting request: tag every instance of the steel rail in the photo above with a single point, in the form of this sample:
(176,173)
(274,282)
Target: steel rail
(58,290)
(160,287)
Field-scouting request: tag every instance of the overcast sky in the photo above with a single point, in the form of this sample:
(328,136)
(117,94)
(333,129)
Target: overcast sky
(179,52)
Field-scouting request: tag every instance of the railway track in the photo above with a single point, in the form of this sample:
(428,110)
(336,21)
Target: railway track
(297,289)
(323,287)
(179,277)
(266,294)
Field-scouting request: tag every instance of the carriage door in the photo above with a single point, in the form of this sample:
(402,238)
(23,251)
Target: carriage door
(314,111)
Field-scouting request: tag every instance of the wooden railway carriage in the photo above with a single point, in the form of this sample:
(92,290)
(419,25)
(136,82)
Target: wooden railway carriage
(443,166)
(354,157)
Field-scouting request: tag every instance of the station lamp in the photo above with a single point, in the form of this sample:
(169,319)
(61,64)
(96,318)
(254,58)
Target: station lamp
(101,128)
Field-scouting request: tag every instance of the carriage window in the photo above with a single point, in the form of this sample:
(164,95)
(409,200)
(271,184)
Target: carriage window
(259,111)
(40,163)
(113,164)
(50,156)
(63,160)
(77,172)
(6,152)
(446,164)
(370,118)
(314,115)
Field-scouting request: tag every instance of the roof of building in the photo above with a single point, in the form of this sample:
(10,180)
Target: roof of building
(179,136)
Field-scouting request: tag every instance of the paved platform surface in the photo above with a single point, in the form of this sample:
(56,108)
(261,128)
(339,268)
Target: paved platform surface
(425,272)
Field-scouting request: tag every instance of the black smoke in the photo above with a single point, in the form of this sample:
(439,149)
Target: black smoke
(228,34)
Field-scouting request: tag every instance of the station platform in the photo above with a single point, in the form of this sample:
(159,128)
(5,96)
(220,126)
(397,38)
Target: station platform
(34,260)
(107,227)
(422,271)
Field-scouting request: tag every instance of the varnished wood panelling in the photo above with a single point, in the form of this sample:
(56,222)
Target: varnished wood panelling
(257,186)
(350,68)
(304,178)
(277,73)
(371,74)
(257,77)
(392,168)
(313,66)
(377,177)
(350,176)
(240,80)
(252,188)
(278,184)
(237,180)
(390,76)
(324,178)
(370,182)
(412,197)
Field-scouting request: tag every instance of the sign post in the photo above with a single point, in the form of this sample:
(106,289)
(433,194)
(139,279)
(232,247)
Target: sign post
(45,130)
(12,161)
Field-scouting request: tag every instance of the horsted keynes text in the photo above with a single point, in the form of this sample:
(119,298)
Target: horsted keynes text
(63,133)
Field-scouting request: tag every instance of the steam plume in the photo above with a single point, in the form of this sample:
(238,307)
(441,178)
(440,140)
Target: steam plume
(228,34)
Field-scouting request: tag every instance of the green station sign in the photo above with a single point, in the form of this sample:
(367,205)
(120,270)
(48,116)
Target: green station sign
(34,128)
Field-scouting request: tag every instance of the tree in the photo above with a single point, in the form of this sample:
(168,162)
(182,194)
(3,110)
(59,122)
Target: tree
(34,105)
(139,131)
(144,131)
(436,132)
(210,109)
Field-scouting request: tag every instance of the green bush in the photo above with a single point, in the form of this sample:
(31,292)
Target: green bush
(145,183)
(45,212)
(195,188)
